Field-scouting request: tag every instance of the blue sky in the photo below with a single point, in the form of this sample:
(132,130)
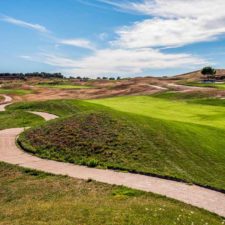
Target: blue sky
(111,38)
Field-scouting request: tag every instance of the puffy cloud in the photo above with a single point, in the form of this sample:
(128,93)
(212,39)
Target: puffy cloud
(177,8)
(137,48)
(119,61)
(172,23)
(168,33)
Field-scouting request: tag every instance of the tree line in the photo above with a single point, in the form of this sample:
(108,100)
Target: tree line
(35,74)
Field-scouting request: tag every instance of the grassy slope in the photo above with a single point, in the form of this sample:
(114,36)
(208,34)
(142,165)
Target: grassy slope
(31,197)
(14,91)
(64,86)
(61,108)
(220,86)
(18,119)
(188,151)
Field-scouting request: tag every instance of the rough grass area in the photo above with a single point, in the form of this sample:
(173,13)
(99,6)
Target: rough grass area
(99,136)
(220,86)
(31,197)
(187,96)
(15,91)
(60,108)
(14,119)
(1,99)
(64,86)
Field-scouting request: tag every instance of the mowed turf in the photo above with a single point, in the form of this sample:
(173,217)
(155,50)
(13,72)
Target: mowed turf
(168,109)
(31,197)
(143,141)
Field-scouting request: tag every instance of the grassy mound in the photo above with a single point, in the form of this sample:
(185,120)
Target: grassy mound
(98,136)
(88,138)
(82,202)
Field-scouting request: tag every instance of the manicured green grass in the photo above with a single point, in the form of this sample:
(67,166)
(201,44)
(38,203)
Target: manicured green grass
(64,86)
(14,119)
(220,86)
(182,96)
(167,109)
(32,197)
(15,91)
(162,144)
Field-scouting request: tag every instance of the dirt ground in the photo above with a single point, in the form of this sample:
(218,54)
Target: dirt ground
(106,88)
(101,89)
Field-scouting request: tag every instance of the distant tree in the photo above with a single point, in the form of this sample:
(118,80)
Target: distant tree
(118,78)
(111,78)
(209,72)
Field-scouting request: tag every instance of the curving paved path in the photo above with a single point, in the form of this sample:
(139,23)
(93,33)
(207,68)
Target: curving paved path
(197,196)
(44,115)
(7,101)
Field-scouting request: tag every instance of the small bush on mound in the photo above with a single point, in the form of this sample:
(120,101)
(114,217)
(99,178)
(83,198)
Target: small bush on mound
(89,139)
(90,162)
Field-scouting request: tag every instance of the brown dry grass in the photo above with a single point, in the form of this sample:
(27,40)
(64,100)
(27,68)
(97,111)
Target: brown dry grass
(101,89)
(106,88)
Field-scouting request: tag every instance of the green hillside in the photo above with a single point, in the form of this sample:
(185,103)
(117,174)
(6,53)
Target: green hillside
(163,135)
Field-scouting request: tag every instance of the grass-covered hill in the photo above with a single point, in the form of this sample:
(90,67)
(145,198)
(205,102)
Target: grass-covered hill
(165,135)
(196,75)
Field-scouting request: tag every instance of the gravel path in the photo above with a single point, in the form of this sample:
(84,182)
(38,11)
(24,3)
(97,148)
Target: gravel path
(210,200)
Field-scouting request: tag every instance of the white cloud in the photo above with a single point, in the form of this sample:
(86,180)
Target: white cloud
(120,61)
(172,23)
(81,43)
(103,36)
(175,8)
(27,57)
(168,33)
(25,24)
(136,49)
